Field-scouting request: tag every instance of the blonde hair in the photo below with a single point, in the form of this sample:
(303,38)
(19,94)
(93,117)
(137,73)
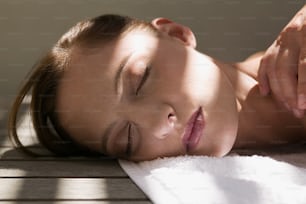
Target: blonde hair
(45,75)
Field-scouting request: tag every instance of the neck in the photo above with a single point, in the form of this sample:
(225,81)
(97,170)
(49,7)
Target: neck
(262,121)
(242,81)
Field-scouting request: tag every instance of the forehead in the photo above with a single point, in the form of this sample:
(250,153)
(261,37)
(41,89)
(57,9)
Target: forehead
(87,87)
(106,57)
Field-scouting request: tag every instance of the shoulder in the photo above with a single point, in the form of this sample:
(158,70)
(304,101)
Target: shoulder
(250,65)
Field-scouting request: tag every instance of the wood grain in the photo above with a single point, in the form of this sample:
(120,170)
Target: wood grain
(67,188)
(76,202)
(64,168)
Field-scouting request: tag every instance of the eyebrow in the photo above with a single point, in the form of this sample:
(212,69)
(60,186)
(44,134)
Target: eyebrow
(105,137)
(119,72)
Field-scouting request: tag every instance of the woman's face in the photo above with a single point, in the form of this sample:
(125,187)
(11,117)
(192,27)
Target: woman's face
(142,97)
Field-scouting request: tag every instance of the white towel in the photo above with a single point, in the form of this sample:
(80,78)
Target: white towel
(208,180)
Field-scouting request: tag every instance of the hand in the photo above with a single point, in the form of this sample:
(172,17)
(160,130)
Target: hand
(282,69)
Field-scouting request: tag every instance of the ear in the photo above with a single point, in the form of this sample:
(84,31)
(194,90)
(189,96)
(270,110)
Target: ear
(175,30)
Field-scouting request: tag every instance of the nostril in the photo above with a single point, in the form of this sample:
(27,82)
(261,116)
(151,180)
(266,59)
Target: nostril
(171,119)
(166,127)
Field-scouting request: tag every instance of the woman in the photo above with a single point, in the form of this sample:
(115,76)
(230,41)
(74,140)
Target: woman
(136,90)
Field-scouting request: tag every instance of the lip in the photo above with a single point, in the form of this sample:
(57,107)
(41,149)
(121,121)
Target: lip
(194,130)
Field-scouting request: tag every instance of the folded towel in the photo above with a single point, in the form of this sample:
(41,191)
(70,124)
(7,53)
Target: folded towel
(231,179)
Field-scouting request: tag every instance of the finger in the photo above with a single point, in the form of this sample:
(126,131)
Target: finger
(287,65)
(290,33)
(267,62)
(302,71)
(297,20)
(263,80)
(272,69)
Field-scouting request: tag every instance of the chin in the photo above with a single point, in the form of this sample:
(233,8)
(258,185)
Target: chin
(221,152)
(216,152)
(226,145)
(217,147)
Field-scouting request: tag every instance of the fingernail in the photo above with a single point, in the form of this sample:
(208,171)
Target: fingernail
(302,101)
(298,113)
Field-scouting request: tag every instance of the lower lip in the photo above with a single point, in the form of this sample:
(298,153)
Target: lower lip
(194,130)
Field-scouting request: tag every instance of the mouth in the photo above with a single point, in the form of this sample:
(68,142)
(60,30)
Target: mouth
(194,130)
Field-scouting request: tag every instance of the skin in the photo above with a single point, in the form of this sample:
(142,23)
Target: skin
(181,80)
(283,61)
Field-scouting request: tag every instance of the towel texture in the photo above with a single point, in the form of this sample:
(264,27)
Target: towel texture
(231,179)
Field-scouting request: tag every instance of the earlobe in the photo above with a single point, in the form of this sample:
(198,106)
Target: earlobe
(175,30)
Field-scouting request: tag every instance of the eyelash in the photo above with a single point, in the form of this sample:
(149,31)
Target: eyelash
(143,79)
(129,142)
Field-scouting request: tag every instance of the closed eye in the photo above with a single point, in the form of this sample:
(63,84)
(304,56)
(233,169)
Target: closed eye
(143,79)
(129,142)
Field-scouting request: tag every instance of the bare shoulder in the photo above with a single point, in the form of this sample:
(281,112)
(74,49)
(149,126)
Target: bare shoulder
(250,65)
(255,56)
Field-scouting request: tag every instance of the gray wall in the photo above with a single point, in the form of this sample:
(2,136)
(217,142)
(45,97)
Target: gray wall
(226,29)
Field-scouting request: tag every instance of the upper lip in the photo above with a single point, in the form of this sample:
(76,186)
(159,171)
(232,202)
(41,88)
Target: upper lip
(193,130)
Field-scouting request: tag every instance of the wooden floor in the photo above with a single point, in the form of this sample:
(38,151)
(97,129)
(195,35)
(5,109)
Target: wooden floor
(25,179)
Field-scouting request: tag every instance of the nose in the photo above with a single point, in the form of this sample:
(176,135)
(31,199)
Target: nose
(166,128)
(158,121)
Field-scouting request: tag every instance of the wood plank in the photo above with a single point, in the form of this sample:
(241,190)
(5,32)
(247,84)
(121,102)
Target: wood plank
(69,189)
(7,153)
(11,153)
(65,168)
(77,202)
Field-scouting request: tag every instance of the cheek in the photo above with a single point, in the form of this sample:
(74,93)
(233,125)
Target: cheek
(169,73)
(171,61)
(153,148)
